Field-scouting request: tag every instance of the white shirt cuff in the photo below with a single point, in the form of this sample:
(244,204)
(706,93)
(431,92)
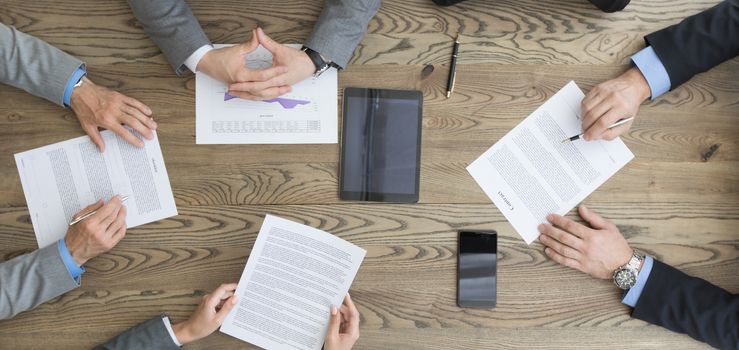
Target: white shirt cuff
(168,325)
(192,62)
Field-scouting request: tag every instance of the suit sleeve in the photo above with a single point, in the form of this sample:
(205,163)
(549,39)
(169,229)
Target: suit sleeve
(32,279)
(341,27)
(33,65)
(689,305)
(173,27)
(699,42)
(150,335)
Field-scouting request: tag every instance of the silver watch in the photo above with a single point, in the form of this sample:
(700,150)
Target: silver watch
(625,276)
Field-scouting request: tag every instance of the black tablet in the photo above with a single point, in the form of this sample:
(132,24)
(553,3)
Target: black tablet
(381,145)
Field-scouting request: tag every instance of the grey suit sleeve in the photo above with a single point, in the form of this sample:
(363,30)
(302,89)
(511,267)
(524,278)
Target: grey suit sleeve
(173,27)
(340,28)
(33,65)
(32,279)
(150,335)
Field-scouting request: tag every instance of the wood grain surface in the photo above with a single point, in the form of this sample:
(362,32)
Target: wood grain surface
(515,55)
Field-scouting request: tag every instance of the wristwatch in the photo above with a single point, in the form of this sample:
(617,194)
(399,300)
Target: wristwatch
(318,61)
(79,83)
(625,276)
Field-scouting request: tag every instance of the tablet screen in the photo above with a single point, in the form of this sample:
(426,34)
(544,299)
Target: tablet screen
(381,145)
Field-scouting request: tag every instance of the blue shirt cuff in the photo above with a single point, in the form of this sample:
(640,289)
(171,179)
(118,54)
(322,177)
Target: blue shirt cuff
(633,294)
(74,270)
(653,71)
(74,79)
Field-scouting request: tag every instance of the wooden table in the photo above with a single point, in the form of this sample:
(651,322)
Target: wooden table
(515,55)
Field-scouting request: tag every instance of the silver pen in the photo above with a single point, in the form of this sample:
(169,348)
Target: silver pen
(620,122)
(91,213)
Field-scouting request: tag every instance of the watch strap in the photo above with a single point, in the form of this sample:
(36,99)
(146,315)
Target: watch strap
(635,262)
(318,61)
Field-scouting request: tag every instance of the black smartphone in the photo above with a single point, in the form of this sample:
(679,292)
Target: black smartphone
(476,269)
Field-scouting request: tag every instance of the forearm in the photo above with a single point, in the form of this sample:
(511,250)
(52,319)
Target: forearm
(32,279)
(173,27)
(33,65)
(340,28)
(699,42)
(689,305)
(150,335)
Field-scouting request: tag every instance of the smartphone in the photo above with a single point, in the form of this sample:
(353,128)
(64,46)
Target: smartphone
(476,269)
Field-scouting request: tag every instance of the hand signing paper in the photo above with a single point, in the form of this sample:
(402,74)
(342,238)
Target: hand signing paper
(612,101)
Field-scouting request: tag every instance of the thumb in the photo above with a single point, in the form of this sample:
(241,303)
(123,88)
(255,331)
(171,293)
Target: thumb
(334,323)
(596,221)
(94,206)
(94,134)
(266,41)
(227,307)
(252,44)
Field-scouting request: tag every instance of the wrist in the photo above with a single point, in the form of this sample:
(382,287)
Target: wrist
(637,79)
(79,93)
(182,333)
(76,253)
(203,65)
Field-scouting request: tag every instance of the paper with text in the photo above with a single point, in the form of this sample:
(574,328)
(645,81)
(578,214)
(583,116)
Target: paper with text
(307,114)
(292,277)
(530,173)
(61,179)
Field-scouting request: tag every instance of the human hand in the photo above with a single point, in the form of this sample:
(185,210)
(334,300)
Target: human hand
(343,329)
(299,67)
(98,107)
(208,316)
(98,233)
(612,101)
(227,65)
(597,251)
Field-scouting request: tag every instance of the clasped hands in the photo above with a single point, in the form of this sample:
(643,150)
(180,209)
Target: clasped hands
(99,107)
(289,66)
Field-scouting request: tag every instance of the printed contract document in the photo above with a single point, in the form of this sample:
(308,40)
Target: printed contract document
(530,173)
(307,114)
(294,274)
(61,179)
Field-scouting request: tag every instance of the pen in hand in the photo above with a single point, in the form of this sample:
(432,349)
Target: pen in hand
(620,122)
(89,214)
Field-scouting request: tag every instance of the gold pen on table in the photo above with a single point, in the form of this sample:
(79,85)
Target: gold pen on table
(91,213)
(453,68)
(620,122)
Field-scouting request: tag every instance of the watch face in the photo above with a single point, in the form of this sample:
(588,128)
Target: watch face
(625,278)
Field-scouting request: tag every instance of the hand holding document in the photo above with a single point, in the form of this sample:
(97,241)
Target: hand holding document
(308,114)
(294,274)
(60,179)
(531,173)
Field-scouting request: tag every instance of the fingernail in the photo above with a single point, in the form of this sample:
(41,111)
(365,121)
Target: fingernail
(541,227)
(334,310)
(550,217)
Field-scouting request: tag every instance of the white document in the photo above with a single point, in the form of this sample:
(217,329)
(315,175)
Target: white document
(61,179)
(308,114)
(530,173)
(293,276)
